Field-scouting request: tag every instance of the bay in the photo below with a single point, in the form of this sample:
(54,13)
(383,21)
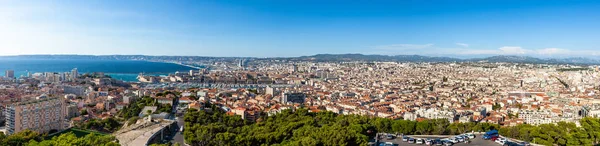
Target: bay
(126,70)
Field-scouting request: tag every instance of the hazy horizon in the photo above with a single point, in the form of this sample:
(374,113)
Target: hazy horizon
(265,28)
(448,56)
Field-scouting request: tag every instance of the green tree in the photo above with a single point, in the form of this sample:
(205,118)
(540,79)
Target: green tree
(423,128)
(496,106)
(84,112)
(20,138)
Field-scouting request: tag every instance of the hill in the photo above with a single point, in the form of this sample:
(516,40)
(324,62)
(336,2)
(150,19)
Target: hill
(419,58)
(361,57)
(302,127)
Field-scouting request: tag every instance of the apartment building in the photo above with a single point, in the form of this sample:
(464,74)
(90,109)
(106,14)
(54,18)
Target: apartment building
(10,74)
(536,117)
(41,115)
(293,98)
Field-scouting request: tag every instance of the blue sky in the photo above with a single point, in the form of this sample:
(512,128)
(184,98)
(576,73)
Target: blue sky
(272,28)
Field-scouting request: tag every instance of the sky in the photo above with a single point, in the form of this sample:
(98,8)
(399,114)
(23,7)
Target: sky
(287,28)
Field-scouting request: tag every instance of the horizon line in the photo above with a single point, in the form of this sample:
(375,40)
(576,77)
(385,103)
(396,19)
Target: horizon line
(455,56)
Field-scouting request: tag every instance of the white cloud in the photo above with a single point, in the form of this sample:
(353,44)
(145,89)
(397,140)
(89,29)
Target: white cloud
(403,46)
(462,45)
(430,49)
(479,52)
(506,50)
(513,50)
(516,50)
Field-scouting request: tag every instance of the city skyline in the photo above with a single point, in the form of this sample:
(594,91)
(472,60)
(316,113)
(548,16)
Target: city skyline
(299,72)
(293,28)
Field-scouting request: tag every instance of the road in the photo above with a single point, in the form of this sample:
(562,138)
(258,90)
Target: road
(178,137)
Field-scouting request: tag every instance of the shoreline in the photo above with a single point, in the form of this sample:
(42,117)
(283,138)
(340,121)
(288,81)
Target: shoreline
(172,62)
(122,76)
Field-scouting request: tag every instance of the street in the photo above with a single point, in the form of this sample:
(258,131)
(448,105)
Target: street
(178,137)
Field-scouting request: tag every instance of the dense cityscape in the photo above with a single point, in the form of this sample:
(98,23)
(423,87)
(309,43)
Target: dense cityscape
(159,109)
(299,73)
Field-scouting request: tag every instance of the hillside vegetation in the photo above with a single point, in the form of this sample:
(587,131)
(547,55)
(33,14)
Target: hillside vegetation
(305,128)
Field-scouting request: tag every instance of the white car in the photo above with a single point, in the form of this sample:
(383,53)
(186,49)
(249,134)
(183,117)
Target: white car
(420,141)
(465,136)
(428,142)
(453,140)
(501,140)
(470,135)
(389,144)
(459,139)
(389,136)
(405,138)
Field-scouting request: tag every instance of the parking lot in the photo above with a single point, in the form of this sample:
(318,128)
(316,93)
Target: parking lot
(477,141)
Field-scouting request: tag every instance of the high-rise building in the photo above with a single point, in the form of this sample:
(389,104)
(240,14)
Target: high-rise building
(77,90)
(74,74)
(270,90)
(293,98)
(10,74)
(241,63)
(63,76)
(52,77)
(294,68)
(41,115)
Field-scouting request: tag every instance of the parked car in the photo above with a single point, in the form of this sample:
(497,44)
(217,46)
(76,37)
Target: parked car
(437,142)
(447,142)
(411,140)
(420,141)
(459,139)
(453,140)
(389,136)
(428,142)
(494,138)
(465,136)
(500,140)
(389,144)
(509,143)
(470,135)
(405,138)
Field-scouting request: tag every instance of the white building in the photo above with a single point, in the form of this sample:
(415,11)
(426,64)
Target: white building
(534,117)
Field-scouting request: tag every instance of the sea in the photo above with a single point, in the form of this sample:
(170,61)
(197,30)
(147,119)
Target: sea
(126,70)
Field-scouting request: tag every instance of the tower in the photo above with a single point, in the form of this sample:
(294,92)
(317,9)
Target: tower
(241,63)
(294,68)
(74,74)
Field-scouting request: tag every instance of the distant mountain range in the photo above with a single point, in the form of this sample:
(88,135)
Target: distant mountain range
(419,58)
(327,58)
(361,57)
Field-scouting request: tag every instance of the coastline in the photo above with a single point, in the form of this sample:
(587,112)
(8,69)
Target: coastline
(173,62)
(63,66)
